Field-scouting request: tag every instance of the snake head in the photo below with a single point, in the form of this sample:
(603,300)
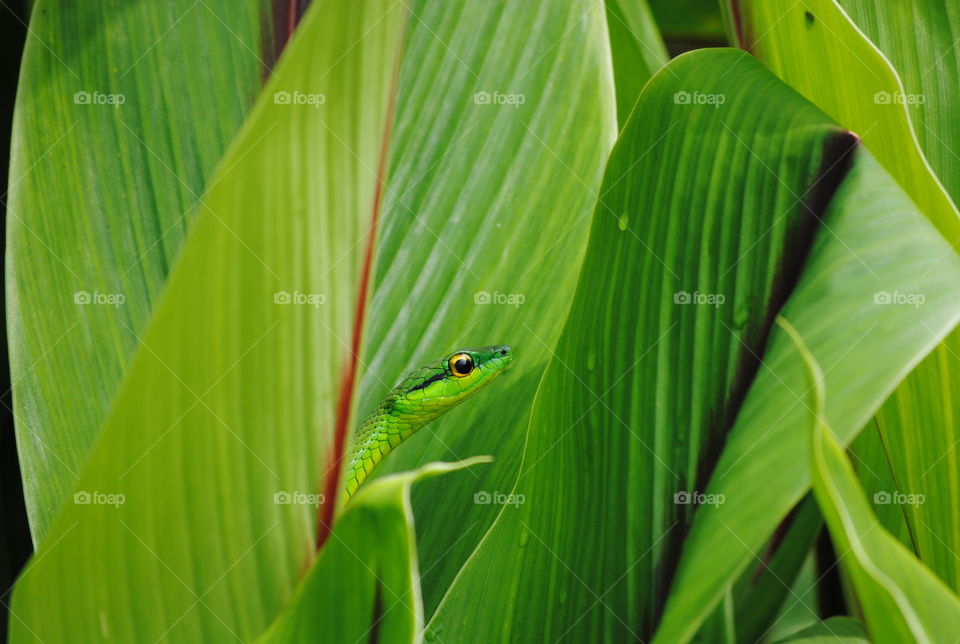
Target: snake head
(422,396)
(432,390)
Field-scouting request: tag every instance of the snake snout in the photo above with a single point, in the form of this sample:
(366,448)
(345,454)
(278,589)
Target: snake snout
(504,353)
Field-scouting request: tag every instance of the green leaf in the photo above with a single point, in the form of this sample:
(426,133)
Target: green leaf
(226,411)
(486,213)
(871,460)
(892,120)
(901,599)
(686,20)
(721,626)
(836,630)
(636,48)
(365,584)
(815,48)
(874,242)
(917,37)
(802,608)
(603,448)
(763,589)
(920,431)
(925,464)
(116,132)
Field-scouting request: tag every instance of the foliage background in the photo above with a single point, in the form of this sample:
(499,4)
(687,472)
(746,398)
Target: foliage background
(705,32)
(673,20)
(15,540)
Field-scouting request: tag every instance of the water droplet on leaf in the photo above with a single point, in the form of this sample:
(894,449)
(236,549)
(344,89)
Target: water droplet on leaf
(741,314)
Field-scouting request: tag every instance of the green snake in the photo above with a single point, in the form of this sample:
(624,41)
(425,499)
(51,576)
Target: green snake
(423,395)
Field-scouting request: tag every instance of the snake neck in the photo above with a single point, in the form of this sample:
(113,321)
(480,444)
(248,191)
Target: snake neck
(381,431)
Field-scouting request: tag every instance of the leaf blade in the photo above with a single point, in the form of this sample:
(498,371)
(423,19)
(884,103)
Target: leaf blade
(231,393)
(901,599)
(101,195)
(486,213)
(581,478)
(766,437)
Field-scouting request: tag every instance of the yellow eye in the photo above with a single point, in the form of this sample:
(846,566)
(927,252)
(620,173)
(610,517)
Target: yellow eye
(461,364)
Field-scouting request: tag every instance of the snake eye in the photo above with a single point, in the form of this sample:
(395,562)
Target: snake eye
(461,364)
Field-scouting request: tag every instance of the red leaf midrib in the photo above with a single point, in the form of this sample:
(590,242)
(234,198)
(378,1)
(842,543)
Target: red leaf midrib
(331,478)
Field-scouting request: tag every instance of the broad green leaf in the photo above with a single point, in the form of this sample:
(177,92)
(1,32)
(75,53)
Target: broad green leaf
(486,212)
(901,599)
(874,241)
(636,48)
(802,609)
(925,464)
(871,460)
(123,110)
(921,430)
(764,600)
(764,589)
(214,446)
(720,627)
(918,37)
(814,47)
(637,364)
(688,20)
(836,630)
(365,583)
